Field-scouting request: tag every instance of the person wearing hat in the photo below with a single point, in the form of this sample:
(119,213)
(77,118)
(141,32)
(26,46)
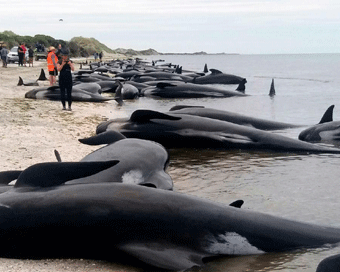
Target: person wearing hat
(65,66)
(52,61)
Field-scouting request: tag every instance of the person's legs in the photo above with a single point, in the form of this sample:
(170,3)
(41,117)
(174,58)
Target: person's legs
(69,95)
(63,96)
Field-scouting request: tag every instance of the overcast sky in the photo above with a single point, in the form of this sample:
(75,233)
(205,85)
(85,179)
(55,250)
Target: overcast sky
(213,26)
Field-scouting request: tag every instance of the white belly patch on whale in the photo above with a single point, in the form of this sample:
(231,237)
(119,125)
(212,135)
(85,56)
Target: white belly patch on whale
(231,243)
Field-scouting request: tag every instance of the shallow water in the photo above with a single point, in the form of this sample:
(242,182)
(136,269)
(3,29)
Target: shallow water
(294,186)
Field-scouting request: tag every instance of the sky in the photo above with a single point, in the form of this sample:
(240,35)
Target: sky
(184,26)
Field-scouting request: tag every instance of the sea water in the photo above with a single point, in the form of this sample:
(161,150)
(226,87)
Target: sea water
(293,186)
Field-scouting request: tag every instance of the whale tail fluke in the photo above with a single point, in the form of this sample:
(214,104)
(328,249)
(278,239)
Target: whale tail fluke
(272,89)
(328,115)
(242,86)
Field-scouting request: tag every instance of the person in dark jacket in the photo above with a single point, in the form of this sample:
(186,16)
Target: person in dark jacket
(65,66)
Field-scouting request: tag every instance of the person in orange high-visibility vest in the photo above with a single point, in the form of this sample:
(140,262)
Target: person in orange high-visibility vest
(52,61)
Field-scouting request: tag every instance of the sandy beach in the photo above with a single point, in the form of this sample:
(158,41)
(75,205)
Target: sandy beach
(30,132)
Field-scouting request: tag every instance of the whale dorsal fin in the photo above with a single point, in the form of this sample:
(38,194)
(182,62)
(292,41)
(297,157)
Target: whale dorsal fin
(142,116)
(42,75)
(20,82)
(205,69)
(215,71)
(163,85)
(107,137)
(328,115)
(56,173)
(179,107)
(272,89)
(237,203)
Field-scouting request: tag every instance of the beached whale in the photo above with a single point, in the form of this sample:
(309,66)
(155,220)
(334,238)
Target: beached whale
(326,130)
(184,130)
(187,90)
(329,264)
(168,230)
(141,162)
(22,82)
(53,93)
(232,117)
(217,77)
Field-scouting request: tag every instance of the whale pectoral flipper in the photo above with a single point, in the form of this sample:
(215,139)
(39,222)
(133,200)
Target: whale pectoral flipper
(57,155)
(57,173)
(107,137)
(218,136)
(237,203)
(163,85)
(164,256)
(143,116)
(179,107)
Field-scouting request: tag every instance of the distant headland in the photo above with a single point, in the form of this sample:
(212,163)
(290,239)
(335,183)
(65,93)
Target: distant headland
(83,47)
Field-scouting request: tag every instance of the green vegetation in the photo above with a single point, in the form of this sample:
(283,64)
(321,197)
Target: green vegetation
(79,46)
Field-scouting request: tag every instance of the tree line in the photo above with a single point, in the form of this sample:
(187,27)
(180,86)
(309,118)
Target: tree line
(84,49)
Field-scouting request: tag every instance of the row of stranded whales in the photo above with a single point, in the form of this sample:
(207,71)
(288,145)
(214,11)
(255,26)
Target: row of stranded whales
(142,80)
(175,130)
(162,228)
(326,130)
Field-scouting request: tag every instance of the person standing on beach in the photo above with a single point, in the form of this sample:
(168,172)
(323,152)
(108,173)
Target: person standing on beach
(3,53)
(58,52)
(100,56)
(21,55)
(30,56)
(52,61)
(65,66)
(23,47)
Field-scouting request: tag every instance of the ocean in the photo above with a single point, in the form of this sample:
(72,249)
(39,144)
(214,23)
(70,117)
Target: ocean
(293,186)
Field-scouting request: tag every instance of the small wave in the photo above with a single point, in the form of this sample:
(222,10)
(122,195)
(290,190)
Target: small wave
(294,78)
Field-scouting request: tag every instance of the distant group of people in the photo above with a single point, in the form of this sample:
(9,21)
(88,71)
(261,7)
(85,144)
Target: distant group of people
(58,61)
(22,55)
(98,55)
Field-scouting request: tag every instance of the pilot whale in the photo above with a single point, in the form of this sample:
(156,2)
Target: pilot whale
(231,117)
(326,130)
(187,90)
(168,230)
(141,162)
(184,130)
